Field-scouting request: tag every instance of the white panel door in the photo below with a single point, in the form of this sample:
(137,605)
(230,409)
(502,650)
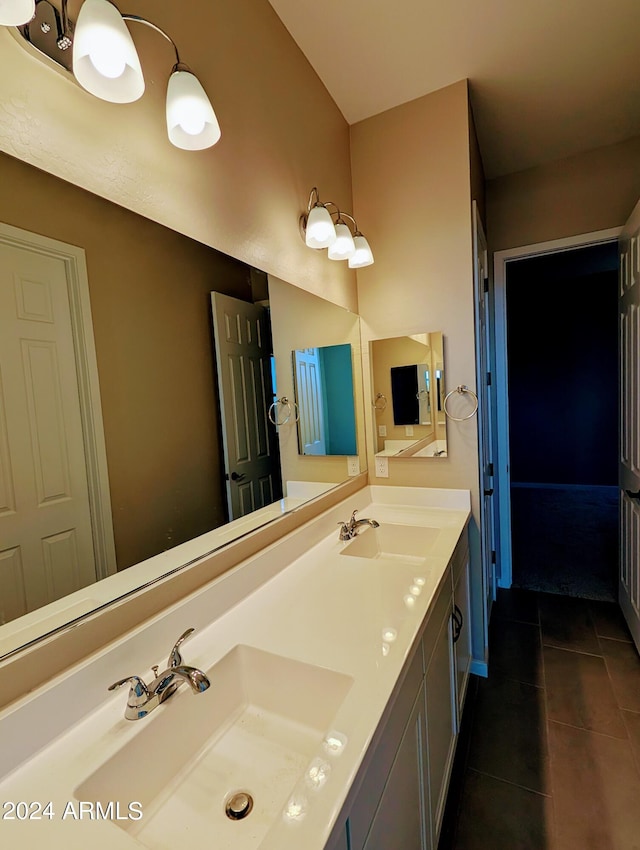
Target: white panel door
(243,363)
(46,545)
(310,402)
(629,463)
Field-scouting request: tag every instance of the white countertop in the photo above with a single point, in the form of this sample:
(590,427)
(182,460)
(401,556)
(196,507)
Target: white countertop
(315,605)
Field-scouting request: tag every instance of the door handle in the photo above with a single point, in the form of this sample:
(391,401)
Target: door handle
(238,476)
(632,495)
(489,492)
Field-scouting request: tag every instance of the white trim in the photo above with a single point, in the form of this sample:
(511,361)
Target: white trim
(479,668)
(503,476)
(480,253)
(88,385)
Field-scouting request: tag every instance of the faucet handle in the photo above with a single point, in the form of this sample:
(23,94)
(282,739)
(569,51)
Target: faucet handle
(175,659)
(138,692)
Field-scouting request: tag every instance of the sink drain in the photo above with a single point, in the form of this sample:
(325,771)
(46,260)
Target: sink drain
(238,805)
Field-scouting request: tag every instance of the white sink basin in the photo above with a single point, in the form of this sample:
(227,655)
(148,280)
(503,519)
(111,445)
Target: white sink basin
(258,728)
(407,543)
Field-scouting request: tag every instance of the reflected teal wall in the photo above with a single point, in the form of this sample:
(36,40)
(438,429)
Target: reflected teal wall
(337,388)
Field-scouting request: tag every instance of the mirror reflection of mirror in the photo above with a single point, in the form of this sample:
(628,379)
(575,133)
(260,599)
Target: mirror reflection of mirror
(165,480)
(408,387)
(310,324)
(323,379)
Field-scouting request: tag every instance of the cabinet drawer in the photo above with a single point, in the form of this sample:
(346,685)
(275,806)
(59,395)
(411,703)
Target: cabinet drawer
(374,772)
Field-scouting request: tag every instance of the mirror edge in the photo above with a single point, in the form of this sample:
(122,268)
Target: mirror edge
(33,665)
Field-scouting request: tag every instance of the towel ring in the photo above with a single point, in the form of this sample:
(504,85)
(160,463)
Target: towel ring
(380,397)
(461,389)
(291,408)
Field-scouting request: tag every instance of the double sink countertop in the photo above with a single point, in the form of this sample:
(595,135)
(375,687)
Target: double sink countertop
(304,645)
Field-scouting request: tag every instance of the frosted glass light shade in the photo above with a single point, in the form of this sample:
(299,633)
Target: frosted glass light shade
(13,13)
(344,247)
(191,122)
(321,231)
(105,60)
(363,255)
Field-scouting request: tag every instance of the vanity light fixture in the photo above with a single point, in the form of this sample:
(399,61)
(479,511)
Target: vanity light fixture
(322,228)
(104,61)
(16,12)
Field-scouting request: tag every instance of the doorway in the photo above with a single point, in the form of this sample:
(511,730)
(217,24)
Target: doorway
(562,385)
(556,415)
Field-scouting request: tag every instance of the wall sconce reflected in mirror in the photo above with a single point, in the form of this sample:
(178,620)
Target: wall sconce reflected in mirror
(100,53)
(322,228)
(16,12)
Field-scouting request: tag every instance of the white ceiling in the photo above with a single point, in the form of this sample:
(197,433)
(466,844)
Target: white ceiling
(548,78)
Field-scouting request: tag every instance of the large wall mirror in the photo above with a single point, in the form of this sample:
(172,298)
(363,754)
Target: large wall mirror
(408,391)
(151,317)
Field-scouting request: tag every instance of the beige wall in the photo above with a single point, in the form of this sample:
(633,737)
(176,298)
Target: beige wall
(149,289)
(281,135)
(301,320)
(478,183)
(411,184)
(592,191)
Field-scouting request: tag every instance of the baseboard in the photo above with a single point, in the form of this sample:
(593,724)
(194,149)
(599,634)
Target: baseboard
(479,668)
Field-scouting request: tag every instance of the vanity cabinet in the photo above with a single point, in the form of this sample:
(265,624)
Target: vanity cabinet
(339,841)
(402,785)
(462,612)
(441,702)
(399,820)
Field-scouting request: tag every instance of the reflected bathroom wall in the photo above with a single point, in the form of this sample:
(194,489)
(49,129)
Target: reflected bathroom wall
(301,321)
(408,388)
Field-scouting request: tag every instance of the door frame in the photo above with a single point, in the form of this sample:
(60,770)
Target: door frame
(95,452)
(501,260)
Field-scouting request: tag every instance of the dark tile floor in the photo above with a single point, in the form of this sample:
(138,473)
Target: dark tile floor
(549,749)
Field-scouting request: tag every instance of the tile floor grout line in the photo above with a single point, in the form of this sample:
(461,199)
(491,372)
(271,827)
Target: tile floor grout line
(509,782)
(549,777)
(571,649)
(590,731)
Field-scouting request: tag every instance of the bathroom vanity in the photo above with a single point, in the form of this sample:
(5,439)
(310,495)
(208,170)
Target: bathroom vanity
(337,672)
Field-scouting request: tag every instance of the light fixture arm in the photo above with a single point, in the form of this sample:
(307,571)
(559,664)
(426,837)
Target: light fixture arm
(342,215)
(313,193)
(139,20)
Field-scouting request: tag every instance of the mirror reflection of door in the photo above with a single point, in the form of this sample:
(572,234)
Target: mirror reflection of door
(323,380)
(310,402)
(243,362)
(46,536)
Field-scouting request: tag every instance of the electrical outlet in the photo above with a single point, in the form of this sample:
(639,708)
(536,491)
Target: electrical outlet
(382,430)
(408,430)
(382,466)
(353,465)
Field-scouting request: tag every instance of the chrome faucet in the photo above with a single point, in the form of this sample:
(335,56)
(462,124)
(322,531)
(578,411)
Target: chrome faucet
(348,530)
(144,698)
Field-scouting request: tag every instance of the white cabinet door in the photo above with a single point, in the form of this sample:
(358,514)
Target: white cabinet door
(400,822)
(441,723)
(462,635)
